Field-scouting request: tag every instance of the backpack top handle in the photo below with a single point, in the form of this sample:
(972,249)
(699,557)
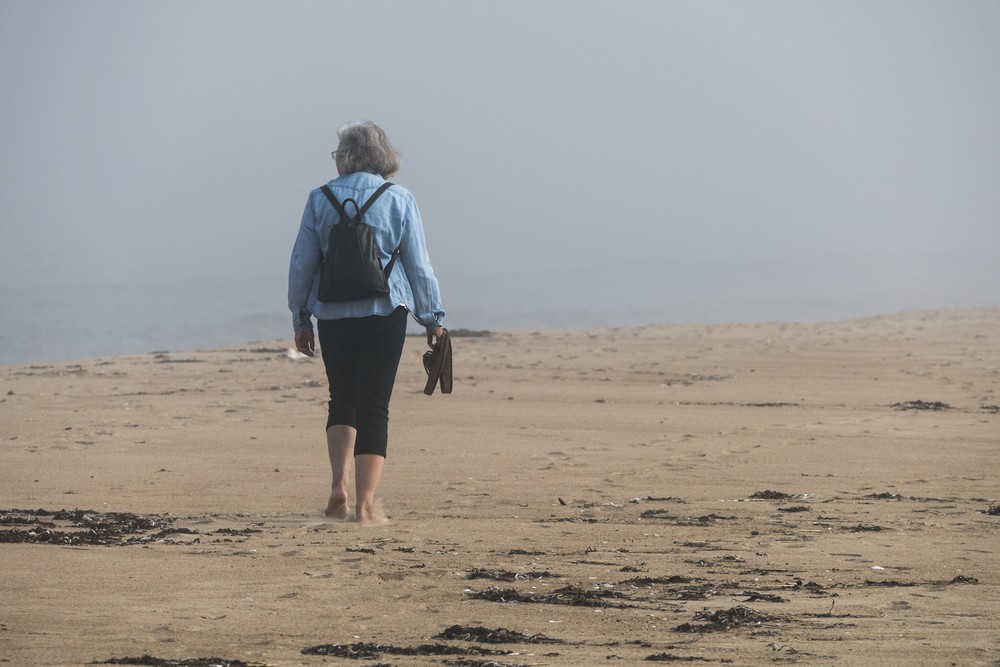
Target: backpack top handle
(364,207)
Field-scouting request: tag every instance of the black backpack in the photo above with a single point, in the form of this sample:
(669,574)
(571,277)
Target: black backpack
(351,269)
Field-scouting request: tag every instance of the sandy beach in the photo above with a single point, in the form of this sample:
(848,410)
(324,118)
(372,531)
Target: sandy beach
(746,494)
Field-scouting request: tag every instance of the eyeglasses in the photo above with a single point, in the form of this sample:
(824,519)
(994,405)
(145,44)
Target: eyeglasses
(333,155)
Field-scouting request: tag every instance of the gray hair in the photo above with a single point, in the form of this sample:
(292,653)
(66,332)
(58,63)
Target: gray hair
(364,146)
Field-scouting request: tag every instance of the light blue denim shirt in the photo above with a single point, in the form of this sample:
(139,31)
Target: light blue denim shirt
(395,222)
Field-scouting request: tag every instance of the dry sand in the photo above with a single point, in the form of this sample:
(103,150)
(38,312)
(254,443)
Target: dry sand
(732,494)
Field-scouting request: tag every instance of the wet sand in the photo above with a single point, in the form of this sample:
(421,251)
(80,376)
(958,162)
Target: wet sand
(734,494)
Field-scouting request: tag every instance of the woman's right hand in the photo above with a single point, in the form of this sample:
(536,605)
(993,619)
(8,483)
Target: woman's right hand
(305,342)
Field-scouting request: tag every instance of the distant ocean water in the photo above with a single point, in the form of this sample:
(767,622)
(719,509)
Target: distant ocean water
(105,319)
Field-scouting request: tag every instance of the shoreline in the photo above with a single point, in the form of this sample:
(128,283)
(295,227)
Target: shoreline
(473,331)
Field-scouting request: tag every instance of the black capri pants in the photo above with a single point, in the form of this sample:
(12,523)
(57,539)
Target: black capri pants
(361,356)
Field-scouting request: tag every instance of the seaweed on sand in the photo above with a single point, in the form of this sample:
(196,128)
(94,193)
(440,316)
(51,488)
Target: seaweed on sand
(670,657)
(150,661)
(753,596)
(495,636)
(568,595)
(77,527)
(770,494)
(372,650)
(723,620)
(649,581)
(467,662)
(507,575)
(890,583)
(920,405)
(665,515)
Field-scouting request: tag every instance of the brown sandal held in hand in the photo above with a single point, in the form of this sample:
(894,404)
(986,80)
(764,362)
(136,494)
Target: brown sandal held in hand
(437,363)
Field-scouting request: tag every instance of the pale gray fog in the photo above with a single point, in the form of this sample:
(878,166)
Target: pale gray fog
(577,163)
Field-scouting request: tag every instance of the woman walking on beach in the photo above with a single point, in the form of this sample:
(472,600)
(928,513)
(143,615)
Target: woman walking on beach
(362,340)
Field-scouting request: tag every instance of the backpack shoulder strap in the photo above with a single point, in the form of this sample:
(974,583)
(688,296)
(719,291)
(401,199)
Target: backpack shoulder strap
(333,200)
(371,200)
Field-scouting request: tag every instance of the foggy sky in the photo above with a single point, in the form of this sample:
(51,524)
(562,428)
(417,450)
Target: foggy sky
(611,148)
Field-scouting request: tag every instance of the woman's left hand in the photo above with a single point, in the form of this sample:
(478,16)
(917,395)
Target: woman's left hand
(434,335)
(305,342)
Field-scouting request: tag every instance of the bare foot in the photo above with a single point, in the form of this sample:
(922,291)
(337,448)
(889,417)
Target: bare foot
(337,507)
(371,515)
